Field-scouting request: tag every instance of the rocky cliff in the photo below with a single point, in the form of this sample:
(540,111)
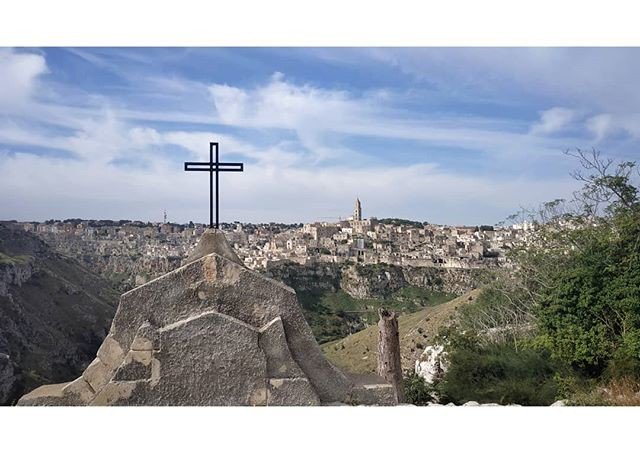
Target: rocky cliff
(14,271)
(307,278)
(374,281)
(447,280)
(53,314)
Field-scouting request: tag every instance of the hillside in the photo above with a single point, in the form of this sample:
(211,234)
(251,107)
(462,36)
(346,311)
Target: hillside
(341,299)
(334,315)
(357,353)
(54,313)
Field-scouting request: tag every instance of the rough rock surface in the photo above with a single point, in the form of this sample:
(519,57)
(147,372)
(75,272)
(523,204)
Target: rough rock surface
(210,333)
(213,240)
(432,363)
(373,281)
(7,377)
(53,314)
(448,280)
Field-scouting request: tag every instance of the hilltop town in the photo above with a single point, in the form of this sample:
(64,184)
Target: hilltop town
(133,252)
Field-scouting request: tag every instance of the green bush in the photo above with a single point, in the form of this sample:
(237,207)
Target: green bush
(417,391)
(590,316)
(498,373)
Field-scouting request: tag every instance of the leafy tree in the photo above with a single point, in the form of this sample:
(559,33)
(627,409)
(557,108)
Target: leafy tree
(588,304)
(571,301)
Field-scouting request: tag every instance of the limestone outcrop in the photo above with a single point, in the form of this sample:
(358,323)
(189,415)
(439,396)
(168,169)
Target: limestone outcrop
(373,281)
(14,274)
(211,332)
(432,364)
(7,377)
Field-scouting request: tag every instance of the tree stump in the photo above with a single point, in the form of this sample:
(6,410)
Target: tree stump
(389,366)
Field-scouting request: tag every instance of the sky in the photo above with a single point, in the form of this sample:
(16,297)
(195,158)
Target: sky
(461,136)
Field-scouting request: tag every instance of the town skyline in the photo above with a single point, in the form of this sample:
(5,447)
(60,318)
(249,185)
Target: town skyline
(164,218)
(150,249)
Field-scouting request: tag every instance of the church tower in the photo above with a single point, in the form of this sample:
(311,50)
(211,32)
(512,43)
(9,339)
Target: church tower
(357,211)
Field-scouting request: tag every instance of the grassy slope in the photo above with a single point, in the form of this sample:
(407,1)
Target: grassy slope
(357,353)
(14,259)
(334,315)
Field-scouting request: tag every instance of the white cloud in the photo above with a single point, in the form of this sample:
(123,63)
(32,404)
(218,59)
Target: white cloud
(309,111)
(605,125)
(231,103)
(141,137)
(315,114)
(553,120)
(599,125)
(280,104)
(19,73)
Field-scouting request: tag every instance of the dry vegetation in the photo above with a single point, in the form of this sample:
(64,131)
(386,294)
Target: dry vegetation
(357,353)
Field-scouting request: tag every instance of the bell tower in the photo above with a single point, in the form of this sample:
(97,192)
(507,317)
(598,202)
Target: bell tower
(357,211)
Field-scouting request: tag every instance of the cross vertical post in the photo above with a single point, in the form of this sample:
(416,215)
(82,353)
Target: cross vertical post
(211,167)
(211,190)
(217,188)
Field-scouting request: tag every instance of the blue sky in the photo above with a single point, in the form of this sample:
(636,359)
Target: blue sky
(456,136)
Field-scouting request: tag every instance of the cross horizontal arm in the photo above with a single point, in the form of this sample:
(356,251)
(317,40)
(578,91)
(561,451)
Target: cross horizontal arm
(214,167)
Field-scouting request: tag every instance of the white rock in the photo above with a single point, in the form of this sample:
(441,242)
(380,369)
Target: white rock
(559,403)
(432,363)
(471,403)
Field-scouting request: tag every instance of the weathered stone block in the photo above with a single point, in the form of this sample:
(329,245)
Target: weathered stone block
(273,342)
(116,393)
(136,366)
(97,374)
(45,395)
(374,394)
(147,338)
(77,392)
(242,294)
(213,240)
(110,352)
(291,392)
(208,359)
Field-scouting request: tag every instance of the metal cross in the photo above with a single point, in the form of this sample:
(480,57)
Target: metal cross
(211,167)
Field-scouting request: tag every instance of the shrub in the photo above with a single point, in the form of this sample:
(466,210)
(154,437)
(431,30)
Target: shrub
(498,373)
(417,391)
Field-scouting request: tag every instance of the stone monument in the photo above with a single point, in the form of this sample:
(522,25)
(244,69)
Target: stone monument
(212,332)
